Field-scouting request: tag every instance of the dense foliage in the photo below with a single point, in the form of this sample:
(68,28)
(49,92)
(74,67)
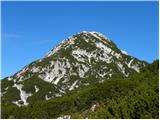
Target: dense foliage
(133,97)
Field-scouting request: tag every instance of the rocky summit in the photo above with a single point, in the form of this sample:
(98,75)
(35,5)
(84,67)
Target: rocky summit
(79,61)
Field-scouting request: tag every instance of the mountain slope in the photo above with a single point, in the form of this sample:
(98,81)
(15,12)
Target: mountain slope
(81,60)
(130,98)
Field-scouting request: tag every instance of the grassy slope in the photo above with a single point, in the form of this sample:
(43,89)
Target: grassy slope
(134,97)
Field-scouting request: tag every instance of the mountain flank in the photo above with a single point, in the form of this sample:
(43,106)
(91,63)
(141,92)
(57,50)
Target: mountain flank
(80,63)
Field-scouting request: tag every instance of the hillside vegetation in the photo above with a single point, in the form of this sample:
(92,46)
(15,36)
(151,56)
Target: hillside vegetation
(134,97)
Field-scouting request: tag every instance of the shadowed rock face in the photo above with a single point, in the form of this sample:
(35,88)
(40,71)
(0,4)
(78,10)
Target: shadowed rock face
(78,61)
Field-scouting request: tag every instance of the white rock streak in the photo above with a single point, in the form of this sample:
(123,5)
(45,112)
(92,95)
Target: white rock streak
(73,85)
(6,88)
(93,107)
(121,68)
(17,103)
(36,88)
(135,66)
(86,84)
(106,58)
(35,69)
(124,52)
(58,95)
(55,73)
(95,35)
(9,78)
(129,64)
(23,94)
(79,54)
(103,47)
(82,70)
(99,35)
(64,117)
(46,97)
(118,55)
(2,93)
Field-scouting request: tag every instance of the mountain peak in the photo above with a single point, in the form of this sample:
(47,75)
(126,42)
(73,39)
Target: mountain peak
(87,36)
(78,61)
(95,34)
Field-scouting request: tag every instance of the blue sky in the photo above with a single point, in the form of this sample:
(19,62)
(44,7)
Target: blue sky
(31,29)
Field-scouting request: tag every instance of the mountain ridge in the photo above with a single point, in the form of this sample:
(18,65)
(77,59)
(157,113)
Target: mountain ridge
(78,61)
